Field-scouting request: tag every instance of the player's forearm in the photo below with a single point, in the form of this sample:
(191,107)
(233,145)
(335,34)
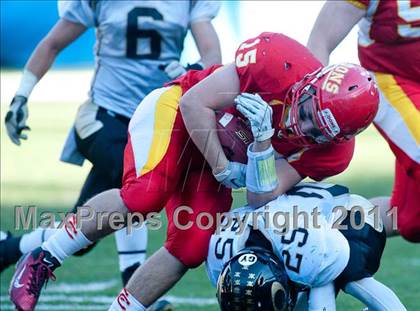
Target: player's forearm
(318,41)
(211,58)
(259,199)
(200,123)
(42,59)
(38,64)
(287,178)
(198,107)
(207,42)
(320,51)
(332,25)
(60,36)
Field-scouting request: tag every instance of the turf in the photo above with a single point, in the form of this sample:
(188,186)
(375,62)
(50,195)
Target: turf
(32,175)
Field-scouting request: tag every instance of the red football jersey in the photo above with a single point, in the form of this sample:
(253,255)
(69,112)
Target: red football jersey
(192,77)
(389,37)
(269,65)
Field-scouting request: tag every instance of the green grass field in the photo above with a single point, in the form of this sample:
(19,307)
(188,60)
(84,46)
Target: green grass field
(32,175)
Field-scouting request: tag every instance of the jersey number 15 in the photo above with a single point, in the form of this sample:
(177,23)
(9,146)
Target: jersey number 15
(248,57)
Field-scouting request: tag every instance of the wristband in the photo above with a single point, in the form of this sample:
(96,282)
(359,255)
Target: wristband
(27,83)
(261,175)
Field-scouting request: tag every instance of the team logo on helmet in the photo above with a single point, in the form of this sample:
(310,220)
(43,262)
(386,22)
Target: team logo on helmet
(247,260)
(334,79)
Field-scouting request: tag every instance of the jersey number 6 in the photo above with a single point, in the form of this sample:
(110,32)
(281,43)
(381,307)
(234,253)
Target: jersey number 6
(151,35)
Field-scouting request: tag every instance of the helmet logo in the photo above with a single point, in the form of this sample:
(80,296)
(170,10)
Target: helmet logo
(329,121)
(247,260)
(334,79)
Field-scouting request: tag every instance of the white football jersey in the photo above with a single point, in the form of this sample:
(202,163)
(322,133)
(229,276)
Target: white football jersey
(314,254)
(133,39)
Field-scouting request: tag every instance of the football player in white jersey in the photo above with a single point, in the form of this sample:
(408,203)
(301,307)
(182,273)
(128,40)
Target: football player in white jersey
(138,47)
(260,259)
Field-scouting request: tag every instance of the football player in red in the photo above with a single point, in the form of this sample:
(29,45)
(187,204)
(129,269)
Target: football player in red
(174,158)
(389,45)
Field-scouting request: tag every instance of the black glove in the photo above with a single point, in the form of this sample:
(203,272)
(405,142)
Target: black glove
(16,119)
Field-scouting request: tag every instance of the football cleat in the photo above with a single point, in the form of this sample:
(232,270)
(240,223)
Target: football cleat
(32,272)
(9,250)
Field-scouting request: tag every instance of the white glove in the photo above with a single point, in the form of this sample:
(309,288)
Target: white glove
(174,70)
(258,112)
(16,119)
(233,176)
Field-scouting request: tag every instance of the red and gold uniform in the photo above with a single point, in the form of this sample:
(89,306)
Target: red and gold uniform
(162,166)
(389,45)
(279,63)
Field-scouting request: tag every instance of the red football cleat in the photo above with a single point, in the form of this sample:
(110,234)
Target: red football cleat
(32,272)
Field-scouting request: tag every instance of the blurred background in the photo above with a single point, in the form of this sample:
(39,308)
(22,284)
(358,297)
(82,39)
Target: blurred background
(32,174)
(25,23)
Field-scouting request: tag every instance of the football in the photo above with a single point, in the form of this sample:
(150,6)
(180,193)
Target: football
(235,135)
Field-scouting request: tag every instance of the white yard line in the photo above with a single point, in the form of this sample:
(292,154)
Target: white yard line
(415,262)
(60,307)
(191,300)
(69,296)
(71,299)
(102,299)
(81,287)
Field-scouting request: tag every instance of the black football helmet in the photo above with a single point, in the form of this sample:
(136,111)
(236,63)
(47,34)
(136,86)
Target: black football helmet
(254,280)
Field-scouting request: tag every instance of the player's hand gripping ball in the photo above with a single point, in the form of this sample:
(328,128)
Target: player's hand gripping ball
(258,112)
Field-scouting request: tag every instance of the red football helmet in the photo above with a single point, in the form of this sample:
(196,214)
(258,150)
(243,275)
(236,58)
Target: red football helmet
(344,101)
